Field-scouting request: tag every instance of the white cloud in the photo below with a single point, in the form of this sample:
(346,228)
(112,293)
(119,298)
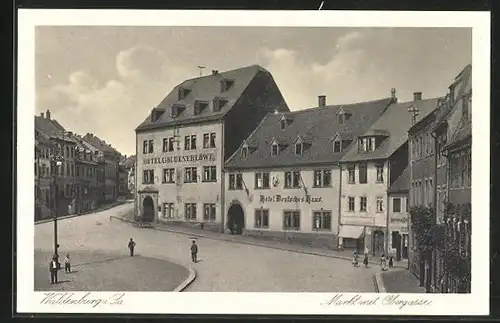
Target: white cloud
(113,110)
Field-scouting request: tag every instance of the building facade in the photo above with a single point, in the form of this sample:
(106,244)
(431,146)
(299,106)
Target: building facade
(378,159)
(284,181)
(42,176)
(183,143)
(399,224)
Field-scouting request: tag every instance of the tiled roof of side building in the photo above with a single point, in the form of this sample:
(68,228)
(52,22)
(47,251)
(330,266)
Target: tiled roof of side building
(316,127)
(402,183)
(395,122)
(99,143)
(48,127)
(465,79)
(204,89)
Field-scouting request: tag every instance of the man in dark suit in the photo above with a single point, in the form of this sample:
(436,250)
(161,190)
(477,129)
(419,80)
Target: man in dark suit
(131,246)
(53,267)
(194,251)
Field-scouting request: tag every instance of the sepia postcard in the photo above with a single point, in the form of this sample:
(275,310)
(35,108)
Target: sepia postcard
(246,162)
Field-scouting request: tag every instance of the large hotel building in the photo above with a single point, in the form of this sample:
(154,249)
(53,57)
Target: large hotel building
(184,141)
(284,180)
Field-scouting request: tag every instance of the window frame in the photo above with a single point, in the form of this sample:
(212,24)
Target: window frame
(349,204)
(394,199)
(379,167)
(265,183)
(211,216)
(351,170)
(194,177)
(361,208)
(322,214)
(292,215)
(274,147)
(259,216)
(379,204)
(365,167)
(212,174)
(168,173)
(189,215)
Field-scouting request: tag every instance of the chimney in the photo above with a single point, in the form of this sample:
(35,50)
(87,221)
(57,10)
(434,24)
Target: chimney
(215,72)
(42,115)
(417,96)
(321,101)
(48,114)
(393,95)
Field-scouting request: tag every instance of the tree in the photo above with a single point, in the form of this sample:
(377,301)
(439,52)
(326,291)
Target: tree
(422,224)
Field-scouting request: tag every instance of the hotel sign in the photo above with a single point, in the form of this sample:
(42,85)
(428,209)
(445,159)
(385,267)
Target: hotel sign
(180,159)
(290,199)
(399,220)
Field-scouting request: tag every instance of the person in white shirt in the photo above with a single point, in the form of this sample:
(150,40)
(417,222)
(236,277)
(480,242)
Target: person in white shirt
(67,264)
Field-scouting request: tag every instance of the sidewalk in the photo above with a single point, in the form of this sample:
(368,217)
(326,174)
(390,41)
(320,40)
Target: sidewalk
(261,242)
(399,281)
(103,208)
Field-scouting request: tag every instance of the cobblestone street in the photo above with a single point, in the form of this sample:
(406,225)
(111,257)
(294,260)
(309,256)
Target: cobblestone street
(223,266)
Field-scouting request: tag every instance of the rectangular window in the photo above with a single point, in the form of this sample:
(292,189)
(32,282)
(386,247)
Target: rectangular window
(362,174)
(261,219)
(212,140)
(206,140)
(322,178)
(370,144)
(351,169)
(148,176)
(165,145)
(380,204)
(380,173)
(291,220)
(209,173)
(190,175)
(190,211)
(337,146)
(322,220)
(407,205)
(396,205)
(468,182)
(362,204)
(168,210)
(193,141)
(169,175)
(292,179)
(187,142)
(168,144)
(274,150)
(298,149)
(150,147)
(244,152)
(209,212)
(261,180)
(350,204)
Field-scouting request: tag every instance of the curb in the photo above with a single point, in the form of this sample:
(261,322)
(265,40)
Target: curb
(187,281)
(379,283)
(197,235)
(64,217)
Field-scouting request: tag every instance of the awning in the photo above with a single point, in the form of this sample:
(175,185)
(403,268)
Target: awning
(351,231)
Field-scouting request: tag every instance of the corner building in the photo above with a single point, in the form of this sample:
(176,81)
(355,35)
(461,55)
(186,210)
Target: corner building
(183,143)
(284,180)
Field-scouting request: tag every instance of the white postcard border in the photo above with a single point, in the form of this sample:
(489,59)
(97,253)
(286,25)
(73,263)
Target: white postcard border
(476,303)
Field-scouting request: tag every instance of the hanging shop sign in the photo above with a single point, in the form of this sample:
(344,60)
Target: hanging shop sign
(290,199)
(203,157)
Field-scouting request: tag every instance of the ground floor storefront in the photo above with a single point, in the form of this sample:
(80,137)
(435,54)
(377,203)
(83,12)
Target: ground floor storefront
(362,239)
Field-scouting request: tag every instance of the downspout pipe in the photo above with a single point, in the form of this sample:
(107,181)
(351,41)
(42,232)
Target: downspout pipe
(339,165)
(434,204)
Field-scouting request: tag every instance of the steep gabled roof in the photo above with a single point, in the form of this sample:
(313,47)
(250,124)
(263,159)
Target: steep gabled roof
(99,144)
(402,183)
(464,80)
(317,126)
(395,121)
(205,88)
(128,162)
(48,127)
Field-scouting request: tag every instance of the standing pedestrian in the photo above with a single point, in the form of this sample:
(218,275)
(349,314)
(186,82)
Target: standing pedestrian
(355,260)
(383,262)
(194,251)
(365,261)
(131,246)
(391,262)
(67,264)
(53,266)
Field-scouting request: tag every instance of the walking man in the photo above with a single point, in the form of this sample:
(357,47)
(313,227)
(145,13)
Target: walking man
(194,251)
(131,246)
(53,266)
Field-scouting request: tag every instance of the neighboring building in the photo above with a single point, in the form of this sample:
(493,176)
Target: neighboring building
(43,149)
(63,147)
(112,159)
(183,143)
(399,216)
(455,130)
(89,171)
(122,181)
(127,180)
(368,169)
(284,180)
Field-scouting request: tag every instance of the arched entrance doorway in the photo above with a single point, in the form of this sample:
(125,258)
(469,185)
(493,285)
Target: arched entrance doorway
(378,243)
(148,209)
(236,218)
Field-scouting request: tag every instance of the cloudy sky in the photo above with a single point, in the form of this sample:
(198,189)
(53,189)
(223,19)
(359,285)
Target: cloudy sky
(105,80)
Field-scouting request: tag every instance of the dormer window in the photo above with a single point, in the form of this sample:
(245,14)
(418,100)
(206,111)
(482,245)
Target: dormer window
(244,152)
(337,145)
(274,149)
(343,116)
(299,147)
(176,110)
(199,106)
(183,93)
(366,144)
(156,114)
(218,103)
(225,84)
(283,124)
